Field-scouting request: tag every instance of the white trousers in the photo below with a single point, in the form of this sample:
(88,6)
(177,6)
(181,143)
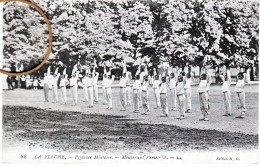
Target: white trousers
(123,97)
(85,89)
(136,99)
(74,92)
(164,103)
(181,104)
(204,103)
(173,98)
(108,92)
(227,102)
(104,95)
(241,101)
(64,94)
(55,92)
(187,92)
(95,87)
(90,96)
(157,97)
(128,95)
(145,101)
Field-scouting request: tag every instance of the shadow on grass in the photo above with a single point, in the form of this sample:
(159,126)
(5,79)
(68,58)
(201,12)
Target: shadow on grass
(70,131)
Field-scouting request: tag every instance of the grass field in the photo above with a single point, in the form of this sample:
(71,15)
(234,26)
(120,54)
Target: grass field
(36,124)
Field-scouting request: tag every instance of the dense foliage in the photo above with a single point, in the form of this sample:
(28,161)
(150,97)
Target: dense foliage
(198,32)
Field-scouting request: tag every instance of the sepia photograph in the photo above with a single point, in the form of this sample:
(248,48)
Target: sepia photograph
(142,81)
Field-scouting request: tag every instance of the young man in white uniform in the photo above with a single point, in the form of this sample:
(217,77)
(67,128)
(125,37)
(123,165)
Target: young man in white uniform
(90,90)
(203,97)
(240,92)
(136,88)
(85,86)
(63,84)
(180,97)
(46,82)
(74,87)
(108,91)
(122,85)
(95,86)
(145,86)
(187,90)
(55,86)
(128,88)
(156,89)
(226,92)
(163,96)
(172,85)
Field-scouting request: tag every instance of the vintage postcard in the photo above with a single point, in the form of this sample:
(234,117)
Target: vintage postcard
(131,81)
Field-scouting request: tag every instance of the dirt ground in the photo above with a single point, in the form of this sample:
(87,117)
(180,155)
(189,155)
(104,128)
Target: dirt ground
(70,131)
(30,123)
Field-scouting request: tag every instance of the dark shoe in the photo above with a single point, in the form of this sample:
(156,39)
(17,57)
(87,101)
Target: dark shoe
(240,116)
(188,111)
(181,117)
(226,115)
(204,119)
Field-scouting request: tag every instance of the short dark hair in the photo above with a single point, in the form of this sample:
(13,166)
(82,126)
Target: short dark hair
(240,74)
(181,78)
(188,75)
(163,79)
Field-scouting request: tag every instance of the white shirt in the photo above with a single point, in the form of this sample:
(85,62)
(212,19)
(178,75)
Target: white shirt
(202,86)
(137,84)
(225,86)
(104,81)
(172,83)
(156,84)
(142,76)
(128,78)
(163,88)
(179,88)
(209,80)
(109,82)
(95,80)
(90,82)
(55,81)
(151,80)
(145,86)
(188,83)
(46,79)
(240,86)
(50,81)
(35,83)
(74,81)
(122,82)
(62,82)
(85,81)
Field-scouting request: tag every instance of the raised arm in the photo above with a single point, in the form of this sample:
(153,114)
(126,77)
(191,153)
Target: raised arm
(209,79)
(49,71)
(138,71)
(229,77)
(113,77)
(246,78)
